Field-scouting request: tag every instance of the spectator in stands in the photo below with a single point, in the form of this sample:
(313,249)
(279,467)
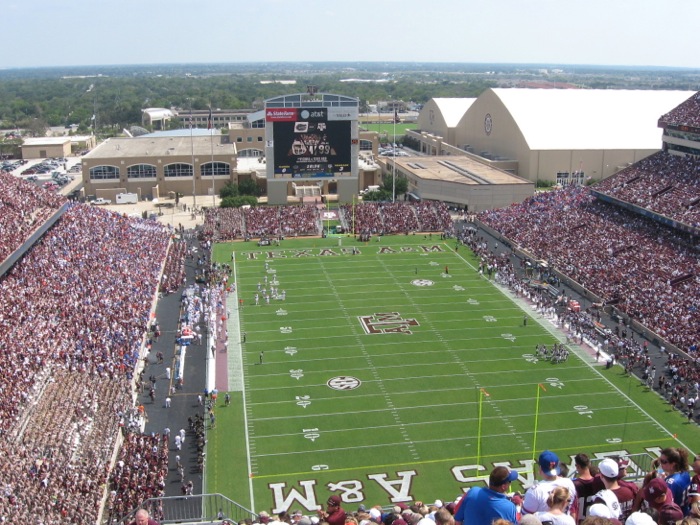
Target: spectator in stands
(583,482)
(483,505)
(142,518)
(674,463)
(536,496)
(334,513)
(639,518)
(557,503)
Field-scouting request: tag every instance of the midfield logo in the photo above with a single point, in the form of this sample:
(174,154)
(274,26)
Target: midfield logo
(387,323)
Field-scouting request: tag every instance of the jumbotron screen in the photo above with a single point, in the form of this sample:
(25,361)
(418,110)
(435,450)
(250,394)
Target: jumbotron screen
(310,143)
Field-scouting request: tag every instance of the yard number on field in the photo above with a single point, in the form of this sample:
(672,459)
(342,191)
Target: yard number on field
(303,401)
(311,433)
(583,410)
(555,383)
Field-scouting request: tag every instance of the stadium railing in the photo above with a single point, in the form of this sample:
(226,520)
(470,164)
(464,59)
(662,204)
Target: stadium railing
(200,508)
(640,465)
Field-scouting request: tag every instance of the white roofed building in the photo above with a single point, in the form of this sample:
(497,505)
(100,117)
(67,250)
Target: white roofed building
(157,118)
(441,116)
(556,134)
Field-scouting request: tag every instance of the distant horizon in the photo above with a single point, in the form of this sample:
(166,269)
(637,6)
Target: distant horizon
(625,33)
(632,67)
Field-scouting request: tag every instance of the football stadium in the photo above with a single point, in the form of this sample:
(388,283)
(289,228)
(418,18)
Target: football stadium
(260,368)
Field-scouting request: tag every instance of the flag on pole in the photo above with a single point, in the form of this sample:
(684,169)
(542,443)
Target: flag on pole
(209,119)
(396,116)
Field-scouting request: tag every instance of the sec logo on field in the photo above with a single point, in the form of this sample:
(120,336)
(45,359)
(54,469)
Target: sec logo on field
(344,383)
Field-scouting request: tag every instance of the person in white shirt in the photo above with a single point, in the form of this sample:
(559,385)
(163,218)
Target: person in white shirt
(537,496)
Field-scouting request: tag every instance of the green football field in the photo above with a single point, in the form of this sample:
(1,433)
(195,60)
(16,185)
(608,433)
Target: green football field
(398,373)
(388,128)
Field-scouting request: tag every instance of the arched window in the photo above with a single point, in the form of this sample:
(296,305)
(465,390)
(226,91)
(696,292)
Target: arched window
(141,171)
(219,168)
(178,170)
(250,153)
(104,173)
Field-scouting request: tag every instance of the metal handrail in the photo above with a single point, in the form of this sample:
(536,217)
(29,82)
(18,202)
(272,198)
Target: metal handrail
(200,508)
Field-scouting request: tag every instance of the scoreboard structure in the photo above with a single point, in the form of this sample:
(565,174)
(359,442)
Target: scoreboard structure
(311,139)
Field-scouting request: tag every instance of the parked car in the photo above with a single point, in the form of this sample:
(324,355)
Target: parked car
(100,200)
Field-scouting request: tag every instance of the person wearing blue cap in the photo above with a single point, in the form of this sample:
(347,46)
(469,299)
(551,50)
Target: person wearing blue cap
(537,495)
(483,505)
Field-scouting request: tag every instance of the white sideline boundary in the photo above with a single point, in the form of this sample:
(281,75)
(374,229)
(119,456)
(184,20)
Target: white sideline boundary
(237,367)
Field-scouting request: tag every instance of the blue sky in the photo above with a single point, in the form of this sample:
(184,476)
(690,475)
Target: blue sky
(605,32)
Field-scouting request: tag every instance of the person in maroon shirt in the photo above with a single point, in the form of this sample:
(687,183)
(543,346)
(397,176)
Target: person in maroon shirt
(334,513)
(584,482)
(613,470)
(694,489)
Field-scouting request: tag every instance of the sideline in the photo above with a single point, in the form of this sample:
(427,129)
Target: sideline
(236,373)
(588,361)
(234,358)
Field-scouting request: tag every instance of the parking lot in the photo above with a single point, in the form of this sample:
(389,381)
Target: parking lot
(61,175)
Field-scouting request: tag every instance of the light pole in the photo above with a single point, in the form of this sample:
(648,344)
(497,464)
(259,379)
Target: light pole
(393,149)
(194,175)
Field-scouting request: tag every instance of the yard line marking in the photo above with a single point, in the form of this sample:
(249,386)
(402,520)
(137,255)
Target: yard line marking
(422,422)
(442,439)
(367,357)
(497,456)
(428,320)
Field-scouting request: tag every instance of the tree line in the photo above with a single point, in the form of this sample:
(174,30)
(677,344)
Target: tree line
(113,103)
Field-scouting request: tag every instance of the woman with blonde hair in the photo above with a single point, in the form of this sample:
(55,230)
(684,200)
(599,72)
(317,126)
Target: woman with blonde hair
(557,502)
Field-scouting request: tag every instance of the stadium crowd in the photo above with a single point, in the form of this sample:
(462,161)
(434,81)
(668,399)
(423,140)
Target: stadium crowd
(400,217)
(663,183)
(222,224)
(226,224)
(300,219)
(22,210)
(262,221)
(73,314)
(648,271)
(433,216)
(687,113)
(139,473)
(174,271)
